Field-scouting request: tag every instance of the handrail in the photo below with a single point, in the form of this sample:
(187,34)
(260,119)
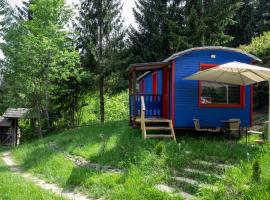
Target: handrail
(143,104)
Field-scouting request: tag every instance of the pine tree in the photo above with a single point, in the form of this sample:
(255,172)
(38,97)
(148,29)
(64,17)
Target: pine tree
(159,32)
(251,21)
(244,28)
(208,19)
(101,36)
(262,16)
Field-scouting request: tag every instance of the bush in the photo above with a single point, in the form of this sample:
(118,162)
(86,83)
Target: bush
(116,108)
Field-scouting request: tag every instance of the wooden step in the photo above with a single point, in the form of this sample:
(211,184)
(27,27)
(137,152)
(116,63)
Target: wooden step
(157,120)
(157,128)
(154,120)
(159,136)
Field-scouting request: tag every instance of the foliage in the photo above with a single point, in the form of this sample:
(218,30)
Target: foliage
(208,20)
(100,40)
(260,46)
(237,184)
(256,171)
(251,21)
(159,32)
(165,27)
(41,61)
(116,108)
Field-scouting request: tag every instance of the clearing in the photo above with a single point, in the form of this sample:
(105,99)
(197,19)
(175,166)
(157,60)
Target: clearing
(113,162)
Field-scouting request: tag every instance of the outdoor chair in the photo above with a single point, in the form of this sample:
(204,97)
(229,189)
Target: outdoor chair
(234,125)
(198,127)
(260,133)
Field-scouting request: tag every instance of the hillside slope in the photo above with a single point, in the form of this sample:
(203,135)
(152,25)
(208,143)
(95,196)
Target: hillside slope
(113,162)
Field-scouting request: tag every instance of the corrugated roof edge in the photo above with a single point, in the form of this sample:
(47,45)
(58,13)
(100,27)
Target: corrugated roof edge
(181,53)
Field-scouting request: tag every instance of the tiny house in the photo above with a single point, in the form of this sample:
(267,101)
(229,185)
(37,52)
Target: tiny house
(168,95)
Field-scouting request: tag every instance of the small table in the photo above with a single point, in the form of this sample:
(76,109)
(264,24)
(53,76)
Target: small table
(227,124)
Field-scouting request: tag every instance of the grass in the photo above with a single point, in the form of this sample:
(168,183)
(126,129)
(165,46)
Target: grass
(13,187)
(144,163)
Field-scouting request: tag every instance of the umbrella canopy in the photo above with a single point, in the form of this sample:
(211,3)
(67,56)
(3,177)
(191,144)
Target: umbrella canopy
(235,73)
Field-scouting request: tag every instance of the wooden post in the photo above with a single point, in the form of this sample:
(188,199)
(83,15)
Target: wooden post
(134,95)
(129,97)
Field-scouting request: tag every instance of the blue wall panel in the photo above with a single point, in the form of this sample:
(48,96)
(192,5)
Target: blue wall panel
(186,92)
(148,83)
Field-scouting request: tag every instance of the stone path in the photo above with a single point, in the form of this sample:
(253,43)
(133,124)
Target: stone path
(41,183)
(188,181)
(82,162)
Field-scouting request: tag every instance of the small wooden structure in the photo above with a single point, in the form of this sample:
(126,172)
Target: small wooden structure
(145,109)
(9,128)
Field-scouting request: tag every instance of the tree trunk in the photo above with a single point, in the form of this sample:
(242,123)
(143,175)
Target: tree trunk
(47,92)
(101,102)
(101,81)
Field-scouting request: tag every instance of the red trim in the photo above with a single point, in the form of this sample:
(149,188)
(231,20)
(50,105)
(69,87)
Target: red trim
(205,66)
(154,83)
(165,92)
(242,93)
(143,86)
(173,82)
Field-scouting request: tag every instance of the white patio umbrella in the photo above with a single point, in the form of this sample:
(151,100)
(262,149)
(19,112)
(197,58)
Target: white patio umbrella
(235,73)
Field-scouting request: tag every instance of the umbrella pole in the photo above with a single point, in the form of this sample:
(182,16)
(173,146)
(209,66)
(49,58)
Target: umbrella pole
(269,114)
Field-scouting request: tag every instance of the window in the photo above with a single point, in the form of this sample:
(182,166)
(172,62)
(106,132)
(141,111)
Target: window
(219,95)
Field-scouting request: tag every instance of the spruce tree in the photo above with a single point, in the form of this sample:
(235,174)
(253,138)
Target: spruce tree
(207,21)
(101,36)
(159,32)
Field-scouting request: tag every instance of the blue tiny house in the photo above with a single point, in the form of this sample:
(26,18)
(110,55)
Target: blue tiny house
(168,95)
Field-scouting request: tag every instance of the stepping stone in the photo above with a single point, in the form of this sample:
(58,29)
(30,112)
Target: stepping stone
(194,183)
(222,166)
(171,190)
(202,173)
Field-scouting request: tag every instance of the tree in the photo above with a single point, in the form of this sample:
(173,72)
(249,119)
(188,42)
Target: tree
(260,46)
(100,41)
(252,20)
(207,21)
(39,54)
(160,29)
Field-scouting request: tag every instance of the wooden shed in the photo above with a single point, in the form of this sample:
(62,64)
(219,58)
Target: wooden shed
(167,95)
(9,128)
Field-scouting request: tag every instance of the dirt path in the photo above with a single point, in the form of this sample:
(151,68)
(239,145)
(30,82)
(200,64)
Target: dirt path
(41,183)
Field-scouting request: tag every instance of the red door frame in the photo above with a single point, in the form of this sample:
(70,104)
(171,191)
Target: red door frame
(142,87)
(165,92)
(154,83)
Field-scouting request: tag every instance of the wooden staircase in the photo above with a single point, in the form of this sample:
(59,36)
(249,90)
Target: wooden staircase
(159,125)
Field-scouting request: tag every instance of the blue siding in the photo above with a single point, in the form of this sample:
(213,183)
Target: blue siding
(186,92)
(148,83)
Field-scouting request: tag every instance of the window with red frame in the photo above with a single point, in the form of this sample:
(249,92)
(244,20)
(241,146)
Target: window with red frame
(218,94)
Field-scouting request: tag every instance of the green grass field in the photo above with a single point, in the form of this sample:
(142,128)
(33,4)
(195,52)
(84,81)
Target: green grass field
(13,187)
(145,163)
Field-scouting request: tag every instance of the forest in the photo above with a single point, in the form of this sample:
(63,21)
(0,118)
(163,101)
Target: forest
(69,65)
